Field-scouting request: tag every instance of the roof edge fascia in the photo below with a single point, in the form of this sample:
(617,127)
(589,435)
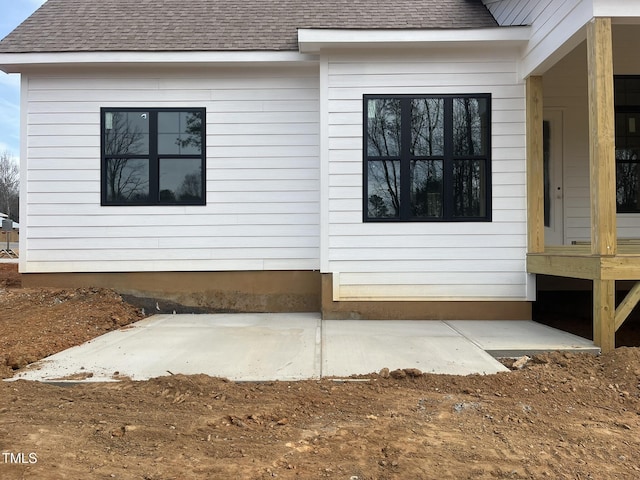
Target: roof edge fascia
(313,40)
(19,62)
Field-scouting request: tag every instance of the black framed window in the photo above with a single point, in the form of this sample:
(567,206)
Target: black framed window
(627,139)
(153,156)
(427,158)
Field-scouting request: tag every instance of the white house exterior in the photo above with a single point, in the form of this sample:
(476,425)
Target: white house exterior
(423,260)
(285,212)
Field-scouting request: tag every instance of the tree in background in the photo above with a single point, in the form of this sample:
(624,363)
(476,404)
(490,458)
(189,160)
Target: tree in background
(9,186)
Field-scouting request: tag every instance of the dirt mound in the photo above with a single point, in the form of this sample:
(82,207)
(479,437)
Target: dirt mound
(36,323)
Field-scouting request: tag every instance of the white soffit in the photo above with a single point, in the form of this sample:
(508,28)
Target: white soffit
(313,40)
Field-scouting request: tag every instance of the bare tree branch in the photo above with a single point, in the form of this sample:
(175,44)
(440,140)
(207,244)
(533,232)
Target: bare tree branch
(9,186)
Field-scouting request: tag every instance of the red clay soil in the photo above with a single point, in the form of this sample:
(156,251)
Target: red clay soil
(561,416)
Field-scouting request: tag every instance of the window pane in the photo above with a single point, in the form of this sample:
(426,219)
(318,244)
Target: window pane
(126,133)
(427,127)
(470,126)
(426,188)
(180,180)
(469,188)
(179,133)
(628,130)
(628,179)
(383,189)
(127,180)
(383,136)
(627,91)
(618,91)
(168,122)
(621,127)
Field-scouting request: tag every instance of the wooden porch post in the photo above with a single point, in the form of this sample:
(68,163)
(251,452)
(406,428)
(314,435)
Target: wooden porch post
(604,309)
(602,167)
(602,173)
(535,167)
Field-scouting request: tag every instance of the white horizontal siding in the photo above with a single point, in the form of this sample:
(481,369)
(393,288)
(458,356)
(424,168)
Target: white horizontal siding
(410,261)
(433,266)
(173,261)
(262,209)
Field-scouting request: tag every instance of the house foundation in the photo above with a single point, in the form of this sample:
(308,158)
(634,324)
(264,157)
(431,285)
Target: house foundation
(274,291)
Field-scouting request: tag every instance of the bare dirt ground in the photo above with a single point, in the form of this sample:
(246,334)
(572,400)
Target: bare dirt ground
(562,416)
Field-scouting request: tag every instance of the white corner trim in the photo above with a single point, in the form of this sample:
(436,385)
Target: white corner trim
(313,40)
(531,287)
(336,286)
(24,168)
(15,62)
(324,165)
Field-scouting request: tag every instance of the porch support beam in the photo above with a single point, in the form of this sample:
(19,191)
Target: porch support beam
(601,137)
(627,305)
(535,168)
(583,266)
(604,307)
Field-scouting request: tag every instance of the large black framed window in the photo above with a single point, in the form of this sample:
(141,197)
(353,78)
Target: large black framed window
(427,158)
(153,156)
(627,139)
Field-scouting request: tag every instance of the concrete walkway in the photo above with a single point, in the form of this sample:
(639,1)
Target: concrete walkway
(296,346)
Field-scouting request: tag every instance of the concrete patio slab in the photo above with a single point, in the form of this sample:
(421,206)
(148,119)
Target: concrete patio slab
(247,347)
(359,347)
(296,346)
(518,338)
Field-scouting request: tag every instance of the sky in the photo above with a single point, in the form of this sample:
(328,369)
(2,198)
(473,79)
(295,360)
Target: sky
(12,13)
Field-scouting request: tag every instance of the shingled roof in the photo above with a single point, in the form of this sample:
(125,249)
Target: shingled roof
(229,25)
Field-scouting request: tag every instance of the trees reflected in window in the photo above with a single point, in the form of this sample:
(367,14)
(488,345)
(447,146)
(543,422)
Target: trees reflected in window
(179,133)
(627,180)
(468,188)
(627,124)
(426,188)
(427,158)
(180,180)
(383,128)
(427,127)
(469,126)
(126,133)
(127,180)
(153,156)
(384,188)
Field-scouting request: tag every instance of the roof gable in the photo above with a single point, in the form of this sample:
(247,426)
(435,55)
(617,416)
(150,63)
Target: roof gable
(214,25)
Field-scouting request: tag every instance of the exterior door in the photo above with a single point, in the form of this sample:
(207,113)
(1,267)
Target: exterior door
(553,186)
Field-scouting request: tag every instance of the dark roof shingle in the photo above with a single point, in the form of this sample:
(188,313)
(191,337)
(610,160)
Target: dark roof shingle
(215,25)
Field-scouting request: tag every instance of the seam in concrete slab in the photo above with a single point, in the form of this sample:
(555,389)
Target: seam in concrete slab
(470,340)
(323,347)
(319,354)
